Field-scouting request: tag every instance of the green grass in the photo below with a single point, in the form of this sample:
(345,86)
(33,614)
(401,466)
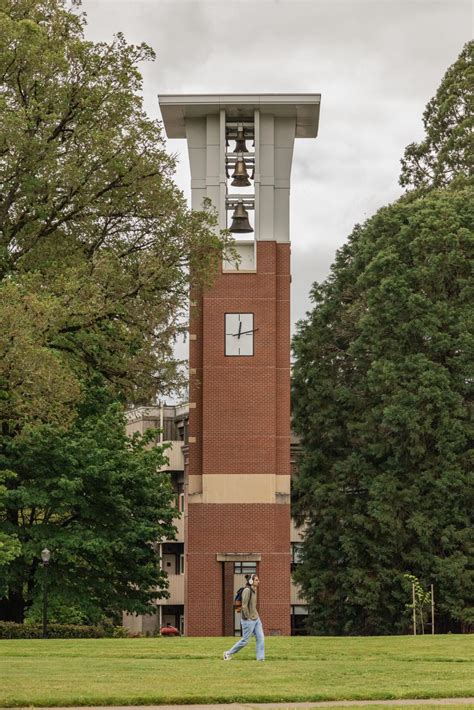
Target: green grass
(191,670)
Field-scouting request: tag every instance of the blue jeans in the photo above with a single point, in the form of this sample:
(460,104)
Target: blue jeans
(250,628)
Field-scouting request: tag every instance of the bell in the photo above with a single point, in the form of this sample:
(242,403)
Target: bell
(240,146)
(240,175)
(240,220)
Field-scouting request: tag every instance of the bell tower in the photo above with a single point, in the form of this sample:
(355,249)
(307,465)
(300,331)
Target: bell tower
(237,482)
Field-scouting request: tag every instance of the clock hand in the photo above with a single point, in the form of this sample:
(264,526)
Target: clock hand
(240,329)
(243,332)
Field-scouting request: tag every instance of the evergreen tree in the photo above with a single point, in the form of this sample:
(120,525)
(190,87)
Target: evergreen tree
(446,153)
(382,398)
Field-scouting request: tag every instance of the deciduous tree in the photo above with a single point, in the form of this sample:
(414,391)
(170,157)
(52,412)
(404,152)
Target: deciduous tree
(97,246)
(96,499)
(98,251)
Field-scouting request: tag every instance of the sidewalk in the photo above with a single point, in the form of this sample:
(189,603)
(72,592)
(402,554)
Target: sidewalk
(465,702)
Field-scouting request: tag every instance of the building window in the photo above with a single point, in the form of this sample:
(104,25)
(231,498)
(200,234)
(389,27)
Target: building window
(299,616)
(181,564)
(245,567)
(296,552)
(168,429)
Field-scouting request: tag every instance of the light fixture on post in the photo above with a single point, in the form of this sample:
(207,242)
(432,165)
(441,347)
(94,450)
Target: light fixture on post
(240,177)
(240,220)
(45,557)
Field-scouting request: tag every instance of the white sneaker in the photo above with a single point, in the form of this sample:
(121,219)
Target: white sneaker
(226,656)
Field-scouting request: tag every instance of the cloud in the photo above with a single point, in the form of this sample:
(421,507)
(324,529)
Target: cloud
(375,62)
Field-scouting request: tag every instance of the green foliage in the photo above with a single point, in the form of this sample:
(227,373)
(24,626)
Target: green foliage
(447,151)
(97,500)
(10,630)
(10,546)
(98,249)
(60,612)
(382,398)
(421,601)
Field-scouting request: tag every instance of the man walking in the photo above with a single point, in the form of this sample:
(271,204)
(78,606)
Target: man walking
(251,624)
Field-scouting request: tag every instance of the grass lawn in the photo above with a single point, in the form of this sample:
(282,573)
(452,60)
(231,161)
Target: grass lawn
(191,670)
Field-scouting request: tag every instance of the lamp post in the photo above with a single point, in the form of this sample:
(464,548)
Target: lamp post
(45,556)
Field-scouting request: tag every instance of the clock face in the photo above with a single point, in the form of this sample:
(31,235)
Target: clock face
(239,332)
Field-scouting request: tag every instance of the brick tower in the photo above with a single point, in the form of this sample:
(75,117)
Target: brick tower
(237,482)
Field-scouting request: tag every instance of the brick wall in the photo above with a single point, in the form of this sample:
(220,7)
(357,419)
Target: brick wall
(214,529)
(239,423)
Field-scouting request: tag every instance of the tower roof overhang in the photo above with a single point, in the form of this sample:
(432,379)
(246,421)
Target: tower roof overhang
(176,108)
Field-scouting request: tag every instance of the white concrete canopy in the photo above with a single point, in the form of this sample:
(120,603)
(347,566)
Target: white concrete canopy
(273,122)
(175,108)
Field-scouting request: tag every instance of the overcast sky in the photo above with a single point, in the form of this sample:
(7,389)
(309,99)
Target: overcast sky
(376,63)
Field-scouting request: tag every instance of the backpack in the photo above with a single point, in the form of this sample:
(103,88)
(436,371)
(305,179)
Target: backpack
(238,599)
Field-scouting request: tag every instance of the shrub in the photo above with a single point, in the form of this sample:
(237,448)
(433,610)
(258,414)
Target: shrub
(11,630)
(120,632)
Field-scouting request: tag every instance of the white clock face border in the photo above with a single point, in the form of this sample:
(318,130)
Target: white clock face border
(239,332)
